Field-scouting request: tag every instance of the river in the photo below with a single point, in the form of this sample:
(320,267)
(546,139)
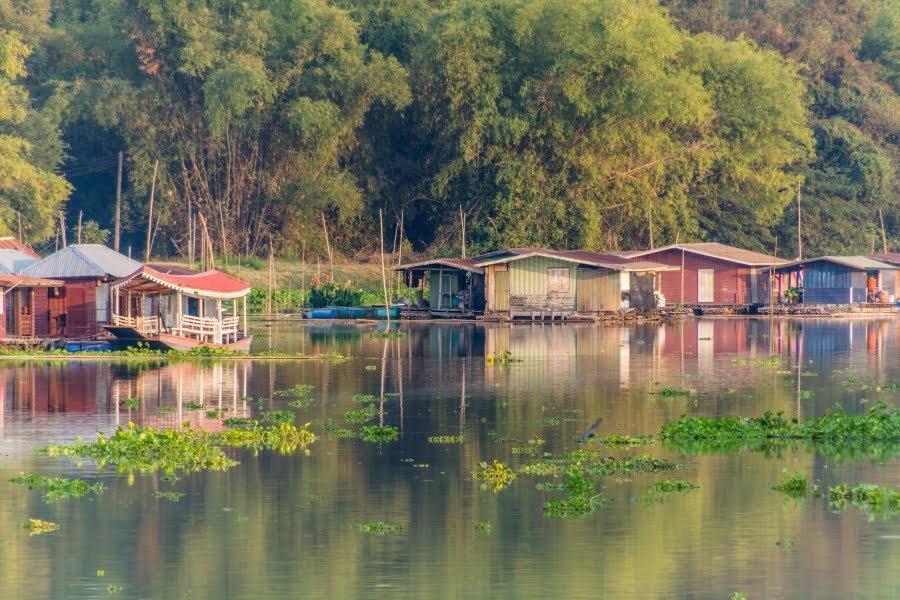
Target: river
(288,526)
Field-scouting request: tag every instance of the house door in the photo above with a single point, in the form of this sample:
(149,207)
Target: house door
(501,290)
(705,285)
(56,307)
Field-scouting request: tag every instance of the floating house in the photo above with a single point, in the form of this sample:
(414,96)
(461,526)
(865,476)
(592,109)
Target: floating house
(837,280)
(24,309)
(891,258)
(81,304)
(542,283)
(178,311)
(455,286)
(711,274)
(10,243)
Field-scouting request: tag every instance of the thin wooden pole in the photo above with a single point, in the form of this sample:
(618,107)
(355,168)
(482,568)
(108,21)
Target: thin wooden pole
(883,235)
(21,235)
(118,226)
(62,227)
(80,216)
(387,307)
(328,245)
(799,236)
(150,214)
(650,219)
(681,300)
(400,255)
(462,224)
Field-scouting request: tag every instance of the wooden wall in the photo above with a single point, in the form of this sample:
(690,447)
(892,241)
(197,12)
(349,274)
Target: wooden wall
(80,308)
(528,290)
(731,282)
(598,290)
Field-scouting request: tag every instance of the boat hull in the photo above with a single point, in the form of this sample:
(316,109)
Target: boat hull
(167,341)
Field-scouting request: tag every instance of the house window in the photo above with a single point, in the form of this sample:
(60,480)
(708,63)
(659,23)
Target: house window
(558,280)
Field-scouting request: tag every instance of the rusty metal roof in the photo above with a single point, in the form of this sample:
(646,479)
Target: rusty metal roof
(464,264)
(581,257)
(94,261)
(713,250)
(857,263)
(10,243)
(891,258)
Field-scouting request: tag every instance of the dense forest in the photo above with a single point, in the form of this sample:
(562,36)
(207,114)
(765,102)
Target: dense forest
(595,124)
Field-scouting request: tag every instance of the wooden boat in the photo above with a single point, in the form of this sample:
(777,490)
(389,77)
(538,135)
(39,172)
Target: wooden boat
(180,311)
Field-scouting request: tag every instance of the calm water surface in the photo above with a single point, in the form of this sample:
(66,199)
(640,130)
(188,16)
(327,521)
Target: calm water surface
(286,526)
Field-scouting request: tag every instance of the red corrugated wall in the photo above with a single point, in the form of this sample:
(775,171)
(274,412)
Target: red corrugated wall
(81,308)
(41,312)
(731,282)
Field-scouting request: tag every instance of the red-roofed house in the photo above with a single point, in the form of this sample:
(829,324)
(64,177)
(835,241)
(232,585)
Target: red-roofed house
(181,311)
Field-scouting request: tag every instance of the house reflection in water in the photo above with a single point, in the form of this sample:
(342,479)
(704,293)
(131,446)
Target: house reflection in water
(169,395)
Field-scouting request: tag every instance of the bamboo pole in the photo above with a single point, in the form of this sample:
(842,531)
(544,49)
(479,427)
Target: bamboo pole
(62,227)
(118,218)
(80,216)
(400,255)
(328,245)
(799,236)
(883,235)
(387,307)
(462,225)
(21,235)
(150,214)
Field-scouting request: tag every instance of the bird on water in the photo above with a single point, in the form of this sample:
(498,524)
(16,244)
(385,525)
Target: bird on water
(590,432)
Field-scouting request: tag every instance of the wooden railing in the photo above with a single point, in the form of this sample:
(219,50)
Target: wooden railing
(146,325)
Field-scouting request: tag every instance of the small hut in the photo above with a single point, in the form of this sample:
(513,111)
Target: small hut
(455,286)
(837,280)
(711,274)
(80,306)
(541,283)
(23,308)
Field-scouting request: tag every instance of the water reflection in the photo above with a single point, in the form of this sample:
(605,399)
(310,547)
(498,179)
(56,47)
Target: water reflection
(282,526)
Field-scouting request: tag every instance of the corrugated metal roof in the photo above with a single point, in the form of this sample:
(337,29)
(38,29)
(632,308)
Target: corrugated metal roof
(713,250)
(83,261)
(208,284)
(14,261)
(891,258)
(581,257)
(858,263)
(10,243)
(466,264)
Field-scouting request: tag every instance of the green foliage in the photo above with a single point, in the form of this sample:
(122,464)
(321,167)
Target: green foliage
(484,527)
(38,527)
(674,392)
(277,416)
(362,415)
(446,439)
(672,487)
(58,488)
(379,433)
(324,293)
(380,528)
(591,461)
(170,496)
(301,389)
(880,423)
(580,500)
(794,485)
(495,475)
(873,499)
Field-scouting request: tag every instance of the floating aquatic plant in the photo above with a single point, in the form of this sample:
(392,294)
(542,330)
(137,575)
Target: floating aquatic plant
(874,499)
(171,496)
(880,423)
(131,402)
(594,462)
(794,485)
(301,403)
(672,487)
(446,439)
(192,406)
(580,500)
(58,488)
(380,528)
(332,430)
(283,437)
(362,415)
(301,389)
(37,527)
(144,449)
(674,392)
(484,527)
(364,398)
(626,441)
(379,433)
(496,475)
(238,422)
(384,334)
(277,416)
(785,543)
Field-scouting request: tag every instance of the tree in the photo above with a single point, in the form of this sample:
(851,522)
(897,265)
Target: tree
(29,151)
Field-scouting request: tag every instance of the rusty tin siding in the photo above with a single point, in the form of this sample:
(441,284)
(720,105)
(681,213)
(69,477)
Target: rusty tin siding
(598,290)
(81,308)
(731,282)
(528,289)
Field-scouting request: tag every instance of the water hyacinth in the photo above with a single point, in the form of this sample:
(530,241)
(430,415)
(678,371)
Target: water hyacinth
(496,475)
(58,488)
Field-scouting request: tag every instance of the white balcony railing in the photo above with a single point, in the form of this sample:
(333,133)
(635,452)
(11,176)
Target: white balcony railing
(146,325)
